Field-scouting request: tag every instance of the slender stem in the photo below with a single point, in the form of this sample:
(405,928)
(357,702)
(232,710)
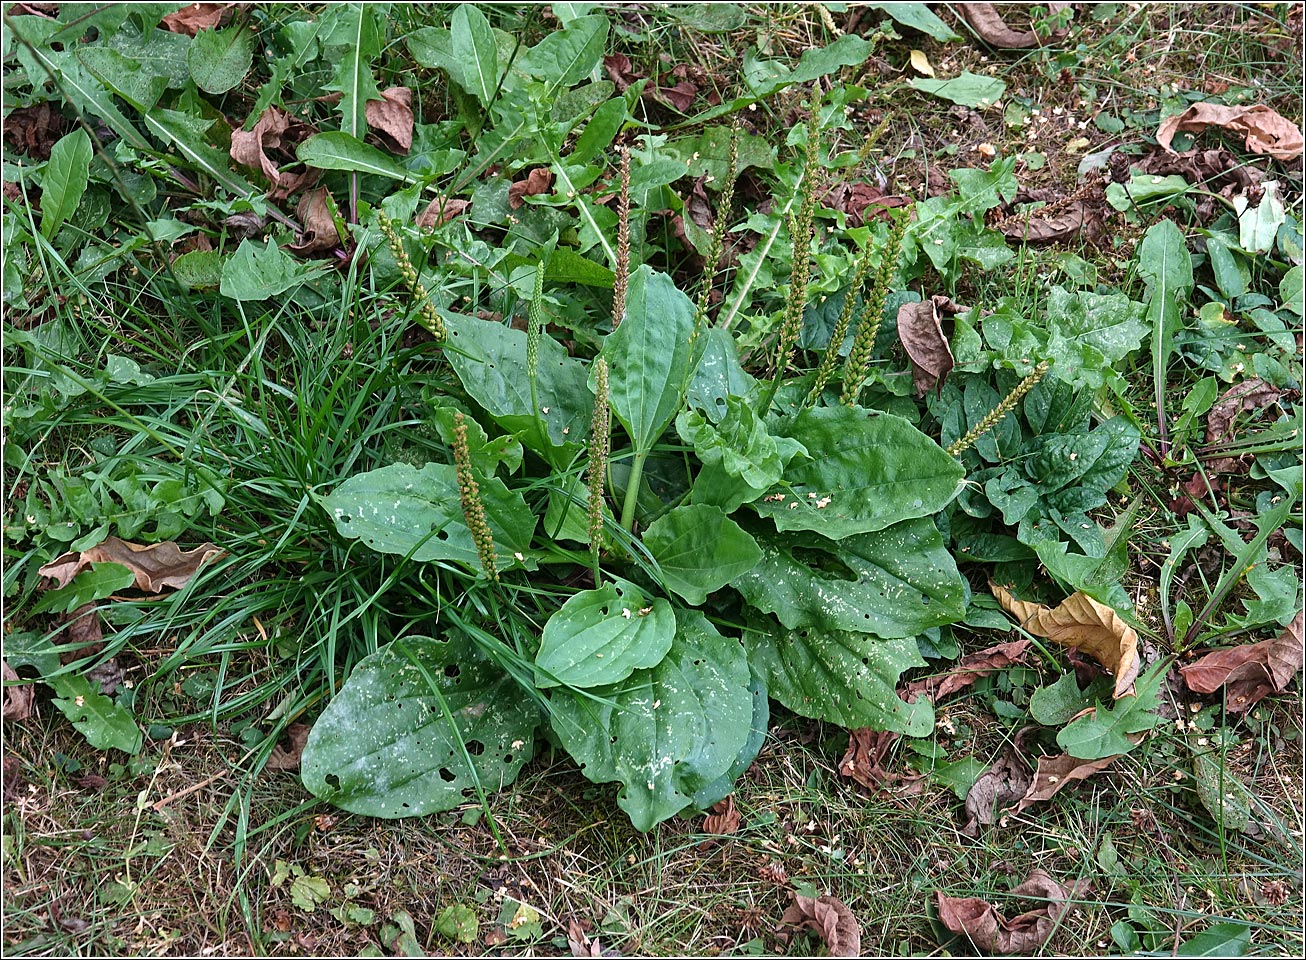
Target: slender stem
(632,491)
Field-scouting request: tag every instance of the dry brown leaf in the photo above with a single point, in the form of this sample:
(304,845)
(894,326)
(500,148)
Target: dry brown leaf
(681,96)
(34,130)
(862,202)
(440,211)
(1250,672)
(391,118)
(830,919)
(1053,773)
(864,759)
(997,788)
(968,669)
(1251,394)
(1264,130)
(619,70)
(920,328)
(82,634)
(18,697)
(198,16)
(155,565)
(724,818)
(319,227)
(271,145)
(579,942)
(1082,622)
(989,26)
(537,181)
(991,932)
(287,758)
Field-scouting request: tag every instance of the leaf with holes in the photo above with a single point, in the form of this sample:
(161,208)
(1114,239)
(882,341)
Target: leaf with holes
(602,636)
(397,739)
(402,510)
(667,732)
(699,549)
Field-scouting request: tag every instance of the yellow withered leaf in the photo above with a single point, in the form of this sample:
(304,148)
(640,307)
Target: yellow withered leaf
(921,63)
(1082,622)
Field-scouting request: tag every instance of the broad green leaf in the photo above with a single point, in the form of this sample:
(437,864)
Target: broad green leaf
(739,443)
(1090,334)
(199,269)
(458,922)
(724,785)
(337,150)
(567,266)
(968,89)
(433,47)
(106,725)
(1231,939)
(98,581)
(601,636)
(257,272)
(664,733)
(86,92)
(893,583)
(1108,730)
(718,375)
(1073,471)
(849,679)
(127,77)
(395,741)
(919,17)
(1167,269)
(485,454)
(600,131)
(220,58)
(64,181)
(1225,797)
(473,45)
(357,36)
(186,133)
(699,549)
(958,776)
(867,469)
(649,356)
(1059,702)
(402,510)
(567,56)
(1259,225)
(1292,290)
(490,361)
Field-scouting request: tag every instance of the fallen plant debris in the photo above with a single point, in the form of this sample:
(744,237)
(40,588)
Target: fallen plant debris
(537,181)
(441,210)
(198,16)
(287,758)
(1054,773)
(270,147)
(990,27)
(982,663)
(724,818)
(863,761)
(1249,395)
(155,566)
(319,234)
(17,694)
(830,919)
(1087,624)
(1264,129)
(1061,218)
(1250,672)
(998,788)
(391,118)
(990,931)
(920,328)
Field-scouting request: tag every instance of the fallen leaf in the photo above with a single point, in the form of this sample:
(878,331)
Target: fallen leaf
(391,118)
(830,919)
(864,759)
(82,634)
(862,202)
(1082,622)
(920,328)
(1218,170)
(921,63)
(274,138)
(997,788)
(619,71)
(64,922)
(1251,394)
(537,181)
(319,232)
(155,565)
(723,819)
(440,211)
(989,26)
(1250,672)
(34,130)
(198,16)
(18,696)
(991,932)
(1061,218)
(681,96)
(968,669)
(107,674)
(1263,129)
(287,758)
(579,942)
(1053,773)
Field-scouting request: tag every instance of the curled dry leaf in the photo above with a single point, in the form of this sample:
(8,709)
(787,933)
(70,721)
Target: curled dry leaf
(681,96)
(864,759)
(1263,129)
(997,788)
(198,16)
(1251,672)
(968,669)
(989,26)
(287,758)
(1249,395)
(830,918)
(724,818)
(34,130)
(1082,622)
(920,328)
(537,181)
(991,932)
(269,146)
(18,696)
(579,942)
(620,71)
(391,118)
(862,202)
(319,231)
(1053,773)
(1061,218)
(440,211)
(155,565)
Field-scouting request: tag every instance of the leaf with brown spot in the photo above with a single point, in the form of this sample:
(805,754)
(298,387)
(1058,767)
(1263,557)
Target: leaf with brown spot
(920,328)
(991,932)
(287,758)
(155,565)
(1082,622)
(997,788)
(537,181)
(391,118)
(968,669)
(864,759)
(989,26)
(1053,773)
(1249,395)
(17,694)
(724,818)
(1264,130)
(319,226)
(198,16)
(440,211)
(830,919)
(1250,672)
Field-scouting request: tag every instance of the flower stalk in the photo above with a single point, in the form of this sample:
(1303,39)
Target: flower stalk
(858,365)
(427,315)
(469,493)
(597,469)
(994,416)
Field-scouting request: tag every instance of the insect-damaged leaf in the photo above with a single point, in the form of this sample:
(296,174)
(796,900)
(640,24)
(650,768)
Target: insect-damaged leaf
(397,738)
